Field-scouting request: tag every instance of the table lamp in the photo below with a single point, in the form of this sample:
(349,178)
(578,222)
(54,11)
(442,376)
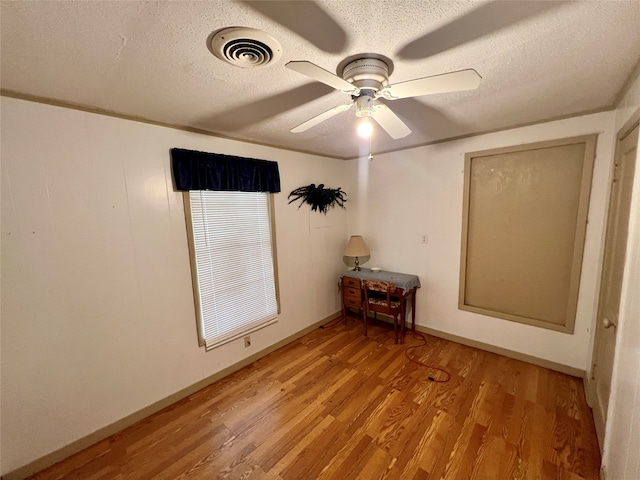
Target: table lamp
(356,248)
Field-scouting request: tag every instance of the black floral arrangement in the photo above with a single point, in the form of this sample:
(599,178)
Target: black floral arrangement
(319,198)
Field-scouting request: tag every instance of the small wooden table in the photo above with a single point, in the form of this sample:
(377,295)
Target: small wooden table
(406,286)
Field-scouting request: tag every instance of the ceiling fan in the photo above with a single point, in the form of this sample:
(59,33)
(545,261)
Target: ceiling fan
(366,79)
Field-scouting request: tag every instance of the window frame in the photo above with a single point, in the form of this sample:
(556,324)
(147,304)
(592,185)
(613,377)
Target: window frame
(194,271)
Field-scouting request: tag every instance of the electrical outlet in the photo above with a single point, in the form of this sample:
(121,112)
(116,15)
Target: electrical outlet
(247,341)
(424,239)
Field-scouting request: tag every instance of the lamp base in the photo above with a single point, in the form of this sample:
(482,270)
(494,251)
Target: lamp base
(357,267)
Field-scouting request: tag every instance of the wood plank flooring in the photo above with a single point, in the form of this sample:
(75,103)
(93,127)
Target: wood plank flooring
(337,405)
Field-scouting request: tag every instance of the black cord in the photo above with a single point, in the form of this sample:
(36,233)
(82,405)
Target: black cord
(333,323)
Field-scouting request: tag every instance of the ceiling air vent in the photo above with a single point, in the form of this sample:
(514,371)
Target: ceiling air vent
(245,47)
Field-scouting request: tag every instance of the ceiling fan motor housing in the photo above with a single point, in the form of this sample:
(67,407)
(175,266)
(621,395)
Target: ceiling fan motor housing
(367,74)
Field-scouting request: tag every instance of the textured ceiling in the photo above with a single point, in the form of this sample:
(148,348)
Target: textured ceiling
(538,60)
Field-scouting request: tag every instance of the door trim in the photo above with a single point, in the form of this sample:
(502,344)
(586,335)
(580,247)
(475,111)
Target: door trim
(589,383)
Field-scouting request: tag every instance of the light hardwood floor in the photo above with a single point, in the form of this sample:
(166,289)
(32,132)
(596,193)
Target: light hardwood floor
(336,404)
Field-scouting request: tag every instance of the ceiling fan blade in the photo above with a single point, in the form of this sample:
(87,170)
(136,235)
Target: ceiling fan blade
(306,19)
(312,70)
(425,121)
(390,122)
(312,122)
(488,18)
(446,82)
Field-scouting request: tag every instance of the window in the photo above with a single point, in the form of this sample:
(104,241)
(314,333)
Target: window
(232,262)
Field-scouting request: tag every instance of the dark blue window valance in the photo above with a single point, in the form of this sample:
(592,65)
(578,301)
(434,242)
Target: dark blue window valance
(193,170)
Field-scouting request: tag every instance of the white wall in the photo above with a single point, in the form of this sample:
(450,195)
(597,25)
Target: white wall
(404,195)
(622,435)
(97,310)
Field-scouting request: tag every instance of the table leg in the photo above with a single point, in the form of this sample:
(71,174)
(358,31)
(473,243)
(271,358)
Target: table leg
(403,317)
(413,311)
(395,329)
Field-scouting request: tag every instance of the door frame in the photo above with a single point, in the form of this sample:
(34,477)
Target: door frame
(589,383)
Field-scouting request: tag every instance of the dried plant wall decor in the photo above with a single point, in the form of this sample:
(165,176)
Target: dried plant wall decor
(318,197)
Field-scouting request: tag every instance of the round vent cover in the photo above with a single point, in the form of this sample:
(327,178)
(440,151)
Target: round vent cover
(245,47)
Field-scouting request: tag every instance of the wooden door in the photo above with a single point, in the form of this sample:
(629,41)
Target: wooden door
(612,274)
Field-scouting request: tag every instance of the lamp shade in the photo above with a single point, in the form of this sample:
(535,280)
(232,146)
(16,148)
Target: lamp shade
(356,247)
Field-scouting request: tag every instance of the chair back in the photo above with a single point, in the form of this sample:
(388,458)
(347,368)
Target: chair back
(378,297)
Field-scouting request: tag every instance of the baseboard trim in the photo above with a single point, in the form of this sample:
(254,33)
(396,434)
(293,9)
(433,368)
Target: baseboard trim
(115,427)
(541,362)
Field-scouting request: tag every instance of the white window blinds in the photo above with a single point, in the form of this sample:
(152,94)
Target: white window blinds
(232,256)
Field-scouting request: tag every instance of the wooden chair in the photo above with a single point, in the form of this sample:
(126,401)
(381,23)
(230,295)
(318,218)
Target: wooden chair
(379,298)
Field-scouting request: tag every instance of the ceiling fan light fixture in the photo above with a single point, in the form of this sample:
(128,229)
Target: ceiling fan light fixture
(364,104)
(365,128)
(244,47)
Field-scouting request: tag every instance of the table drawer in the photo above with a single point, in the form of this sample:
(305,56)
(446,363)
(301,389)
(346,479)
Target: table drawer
(352,292)
(351,282)
(353,302)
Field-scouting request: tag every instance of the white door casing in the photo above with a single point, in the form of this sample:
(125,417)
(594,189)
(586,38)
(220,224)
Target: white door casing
(612,275)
